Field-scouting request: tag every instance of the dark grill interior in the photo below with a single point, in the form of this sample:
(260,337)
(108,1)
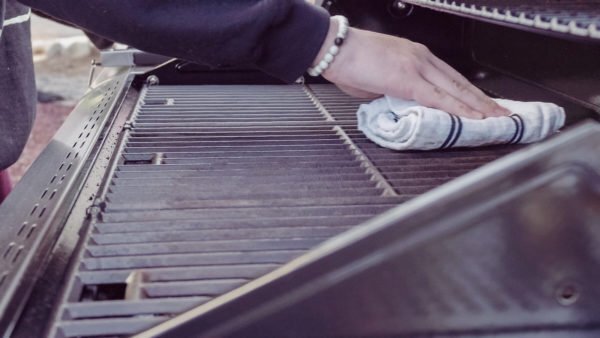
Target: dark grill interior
(218,185)
(577,17)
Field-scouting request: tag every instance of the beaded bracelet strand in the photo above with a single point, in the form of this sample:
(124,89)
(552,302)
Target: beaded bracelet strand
(342,33)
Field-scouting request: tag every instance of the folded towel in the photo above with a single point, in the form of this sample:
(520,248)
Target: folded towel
(405,125)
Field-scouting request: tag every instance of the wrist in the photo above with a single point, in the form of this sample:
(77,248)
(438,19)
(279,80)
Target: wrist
(338,32)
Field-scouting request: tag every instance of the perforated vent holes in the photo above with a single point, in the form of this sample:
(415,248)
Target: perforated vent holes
(48,199)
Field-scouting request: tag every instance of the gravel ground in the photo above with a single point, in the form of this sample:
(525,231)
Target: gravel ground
(50,117)
(65,77)
(61,76)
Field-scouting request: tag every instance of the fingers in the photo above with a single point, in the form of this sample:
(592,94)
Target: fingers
(434,96)
(462,92)
(380,64)
(455,84)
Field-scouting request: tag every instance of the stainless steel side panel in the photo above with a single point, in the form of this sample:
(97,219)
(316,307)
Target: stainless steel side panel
(30,216)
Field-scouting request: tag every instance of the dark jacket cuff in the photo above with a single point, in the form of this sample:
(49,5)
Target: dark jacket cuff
(294,43)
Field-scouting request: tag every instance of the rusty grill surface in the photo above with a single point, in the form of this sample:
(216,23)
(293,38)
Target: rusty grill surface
(218,185)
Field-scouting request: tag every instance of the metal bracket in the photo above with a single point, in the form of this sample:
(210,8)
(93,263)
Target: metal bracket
(92,72)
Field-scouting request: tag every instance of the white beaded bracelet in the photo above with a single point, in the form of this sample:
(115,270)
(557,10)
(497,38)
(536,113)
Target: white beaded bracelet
(342,33)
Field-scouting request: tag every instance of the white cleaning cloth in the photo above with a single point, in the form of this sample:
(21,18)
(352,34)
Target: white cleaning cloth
(405,125)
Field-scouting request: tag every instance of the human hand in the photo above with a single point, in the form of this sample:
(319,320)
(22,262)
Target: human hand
(371,64)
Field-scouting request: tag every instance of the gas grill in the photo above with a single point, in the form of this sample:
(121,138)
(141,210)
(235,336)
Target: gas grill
(179,200)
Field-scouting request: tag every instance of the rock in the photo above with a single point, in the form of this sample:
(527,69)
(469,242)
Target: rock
(54,50)
(48,97)
(78,49)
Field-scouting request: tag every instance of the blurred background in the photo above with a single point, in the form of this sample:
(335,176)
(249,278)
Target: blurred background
(62,57)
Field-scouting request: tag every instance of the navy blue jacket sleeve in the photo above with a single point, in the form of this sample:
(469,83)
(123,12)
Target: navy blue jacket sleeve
(281,37)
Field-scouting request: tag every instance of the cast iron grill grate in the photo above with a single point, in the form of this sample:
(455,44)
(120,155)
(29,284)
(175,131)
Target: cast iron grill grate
(218,185)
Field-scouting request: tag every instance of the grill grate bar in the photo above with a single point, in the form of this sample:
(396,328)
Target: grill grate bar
(165,274)
(241,213)
(273,141)
(258,197)
(209,288)
(228,133)
(310,171)
(274,202)
(303,221)
(217,186)
(108,326)
(229,245)
(217,235)
(248,149)
(239,138)
(235,180)
(197,259)
(132,308)
(246,162)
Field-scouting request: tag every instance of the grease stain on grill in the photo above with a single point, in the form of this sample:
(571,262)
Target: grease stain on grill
(153,159)
(159,102)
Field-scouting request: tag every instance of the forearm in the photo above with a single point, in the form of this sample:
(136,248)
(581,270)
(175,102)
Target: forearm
(280,37)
